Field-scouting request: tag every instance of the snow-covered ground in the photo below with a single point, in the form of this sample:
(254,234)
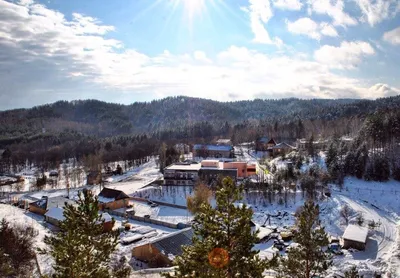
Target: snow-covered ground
(18,216)
(136,178)
(377,201)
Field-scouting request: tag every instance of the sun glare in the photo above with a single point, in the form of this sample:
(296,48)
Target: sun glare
(193,7)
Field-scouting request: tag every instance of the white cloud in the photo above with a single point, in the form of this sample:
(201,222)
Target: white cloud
(260,13)
(392,36)
(328,30)
(294,5)
(382,90)
(45,57)
(306,26)
(346,56)
(375,11)
(334,9)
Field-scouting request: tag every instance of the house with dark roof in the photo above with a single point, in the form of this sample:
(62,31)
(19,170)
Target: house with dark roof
(282,148)
(45,204)
(112,199)
(264,144)
(161,252)
(216,151)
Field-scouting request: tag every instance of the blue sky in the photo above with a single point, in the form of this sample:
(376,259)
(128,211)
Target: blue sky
(126,51)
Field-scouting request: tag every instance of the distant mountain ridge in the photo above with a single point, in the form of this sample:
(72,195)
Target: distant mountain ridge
(93,117)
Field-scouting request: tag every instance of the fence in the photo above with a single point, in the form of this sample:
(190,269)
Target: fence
(148,220)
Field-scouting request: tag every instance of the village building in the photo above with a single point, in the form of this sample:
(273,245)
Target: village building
(215,151)
(224,142)
(45,204)
(55,215)
(318,145)
(355,237)
(162,251)
(112,199)
(182,173)
(282,148)
(264,144)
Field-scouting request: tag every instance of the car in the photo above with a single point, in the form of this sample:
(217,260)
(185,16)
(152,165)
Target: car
(153,205)
(147,216)
(334,248)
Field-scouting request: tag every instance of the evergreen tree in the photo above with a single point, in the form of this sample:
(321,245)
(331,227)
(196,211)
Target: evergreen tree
(352,273)
(223,240)
(81,249)
(307,260)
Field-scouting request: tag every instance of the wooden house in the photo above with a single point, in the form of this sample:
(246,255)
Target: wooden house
(355,237)
(55,215)
(281,148)
(160,252)
(112,199)
(264,144)
(45,204)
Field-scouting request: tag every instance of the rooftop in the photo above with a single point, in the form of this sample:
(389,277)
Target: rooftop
(184,166)
(172,243)
(282,145)
(54,202)
(110,195)
(356,233)
(56,213)
(212,147)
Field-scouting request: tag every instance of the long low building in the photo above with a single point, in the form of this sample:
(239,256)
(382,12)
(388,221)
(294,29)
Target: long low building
(187,173)
(217,151)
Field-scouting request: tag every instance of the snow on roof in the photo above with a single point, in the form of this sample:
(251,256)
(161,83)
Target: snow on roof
(282,145)
(213,147)
(356,233)
(56,213)
(185,167)
(106,217)
(105,200)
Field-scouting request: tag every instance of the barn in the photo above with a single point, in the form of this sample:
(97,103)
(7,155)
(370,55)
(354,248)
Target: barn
(355,237)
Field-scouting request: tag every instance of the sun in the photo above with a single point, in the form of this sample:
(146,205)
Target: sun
(192,8)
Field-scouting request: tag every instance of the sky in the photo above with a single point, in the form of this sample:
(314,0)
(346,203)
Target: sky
(138,50)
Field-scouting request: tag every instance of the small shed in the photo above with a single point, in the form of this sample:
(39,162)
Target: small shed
(355,237)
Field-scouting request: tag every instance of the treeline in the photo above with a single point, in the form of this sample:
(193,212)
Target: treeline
(196,116)
(49,151)
(374,154)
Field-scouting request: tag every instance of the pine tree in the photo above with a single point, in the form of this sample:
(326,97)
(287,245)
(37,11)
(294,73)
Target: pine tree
(81,249)
(308,259)
(223,241)
(352,273)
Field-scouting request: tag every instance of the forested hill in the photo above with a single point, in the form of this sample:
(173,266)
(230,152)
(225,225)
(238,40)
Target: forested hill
(92,117)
